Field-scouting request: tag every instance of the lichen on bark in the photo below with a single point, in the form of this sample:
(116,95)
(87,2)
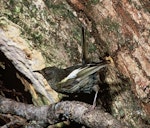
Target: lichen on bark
(121,28)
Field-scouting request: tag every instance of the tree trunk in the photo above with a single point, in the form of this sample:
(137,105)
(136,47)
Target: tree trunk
(51,29)
(121,28)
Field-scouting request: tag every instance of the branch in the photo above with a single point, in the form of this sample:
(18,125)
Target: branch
(20,60)
(14,120)
(76,111)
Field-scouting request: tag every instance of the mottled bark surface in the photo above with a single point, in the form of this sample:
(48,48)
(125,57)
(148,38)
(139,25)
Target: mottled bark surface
(77,111)
(123,28)
(19,58)
(48,33)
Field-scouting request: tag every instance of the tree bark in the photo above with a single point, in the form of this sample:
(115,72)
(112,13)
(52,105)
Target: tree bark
(117,27)
(121,28)
(77,111)
(23,64)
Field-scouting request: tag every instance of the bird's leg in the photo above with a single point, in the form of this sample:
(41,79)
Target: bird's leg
(96,89)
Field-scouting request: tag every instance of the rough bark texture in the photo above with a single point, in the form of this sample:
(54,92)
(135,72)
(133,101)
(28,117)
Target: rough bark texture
(51,29)
(24,65)
(126,23)
(77,111)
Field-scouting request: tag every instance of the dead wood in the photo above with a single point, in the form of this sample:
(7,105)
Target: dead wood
(76,111)
(22,63)
(14,121)
(118,27)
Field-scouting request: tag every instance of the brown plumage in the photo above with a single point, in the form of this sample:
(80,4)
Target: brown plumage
(75,79)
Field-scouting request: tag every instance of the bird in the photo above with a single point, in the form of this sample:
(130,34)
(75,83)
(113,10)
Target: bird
(75,79)
(78,78)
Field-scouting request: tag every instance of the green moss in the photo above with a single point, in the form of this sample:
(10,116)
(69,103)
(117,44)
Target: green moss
(52,23)
(59,9)
(110,25)
(37,37)
(17,9)
(40,27)
(92,48)
(94,2)
(56,8)
(70,15)
(76,33)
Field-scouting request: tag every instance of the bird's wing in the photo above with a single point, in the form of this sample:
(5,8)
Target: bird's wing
(87,71)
